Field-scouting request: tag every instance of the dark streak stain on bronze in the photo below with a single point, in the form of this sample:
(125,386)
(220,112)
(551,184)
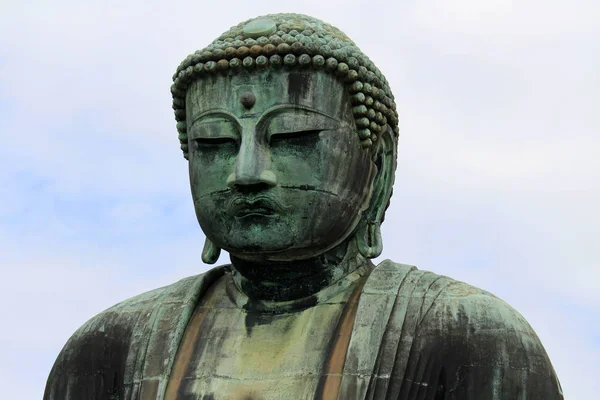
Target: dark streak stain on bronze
(331,378)
(186,349)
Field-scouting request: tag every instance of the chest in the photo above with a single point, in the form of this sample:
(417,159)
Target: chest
(229,353)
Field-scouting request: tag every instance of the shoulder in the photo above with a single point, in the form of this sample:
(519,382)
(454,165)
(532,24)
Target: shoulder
(107,344)
(126,314)
(472,326)
(473,336)
(461,308)
(450,302)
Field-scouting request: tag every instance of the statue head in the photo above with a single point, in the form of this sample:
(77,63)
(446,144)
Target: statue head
(290,132)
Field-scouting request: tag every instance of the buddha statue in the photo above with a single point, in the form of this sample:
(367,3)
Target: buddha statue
(290,133)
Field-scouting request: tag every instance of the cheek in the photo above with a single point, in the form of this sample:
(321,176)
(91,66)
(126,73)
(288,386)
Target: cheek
(347,168)
(208,174)
(297,167)
(334,162)
(343,175)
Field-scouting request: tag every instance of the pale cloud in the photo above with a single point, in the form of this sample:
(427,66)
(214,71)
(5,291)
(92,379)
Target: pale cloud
(497,182)
(522,18)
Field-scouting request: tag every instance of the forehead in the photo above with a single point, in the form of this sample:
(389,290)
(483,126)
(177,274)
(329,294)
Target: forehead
(315,89)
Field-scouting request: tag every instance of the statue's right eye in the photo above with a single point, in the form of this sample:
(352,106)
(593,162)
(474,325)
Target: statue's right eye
(214,144)
(214,134)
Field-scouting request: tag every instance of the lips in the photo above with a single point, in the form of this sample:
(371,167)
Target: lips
(243,207)
(253,210)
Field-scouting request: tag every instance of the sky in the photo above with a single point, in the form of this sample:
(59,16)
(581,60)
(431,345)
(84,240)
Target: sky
(498,179)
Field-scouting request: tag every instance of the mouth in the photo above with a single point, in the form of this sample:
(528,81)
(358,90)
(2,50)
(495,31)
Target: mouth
(261,206)
(253,211)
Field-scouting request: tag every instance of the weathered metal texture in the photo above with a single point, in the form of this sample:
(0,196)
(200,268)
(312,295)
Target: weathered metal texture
(291,170)
(236,353)
(293,155)
(189,341)
(331,378)
(292,41)
(442,339)
(126,352)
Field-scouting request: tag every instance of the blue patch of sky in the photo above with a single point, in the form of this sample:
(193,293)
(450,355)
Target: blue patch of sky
(586,316)
(83,214)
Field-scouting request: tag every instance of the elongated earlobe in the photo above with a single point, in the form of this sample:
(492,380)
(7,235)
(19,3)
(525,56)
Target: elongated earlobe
(368,239)
(210,252)
(368,233)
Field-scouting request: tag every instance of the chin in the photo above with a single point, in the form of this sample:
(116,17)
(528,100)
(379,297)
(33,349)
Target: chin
(276,239)
(257,250)
(282,253)
(262,247)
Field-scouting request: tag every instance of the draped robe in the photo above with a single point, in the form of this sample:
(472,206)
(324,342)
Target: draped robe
(407,334)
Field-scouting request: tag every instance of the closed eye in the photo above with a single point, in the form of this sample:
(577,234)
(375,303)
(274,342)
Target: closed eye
(214,143)
(300,138)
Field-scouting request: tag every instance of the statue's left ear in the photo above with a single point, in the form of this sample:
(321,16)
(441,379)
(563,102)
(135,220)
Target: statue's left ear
(368,234)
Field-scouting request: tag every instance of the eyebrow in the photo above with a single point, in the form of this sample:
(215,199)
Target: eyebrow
(283,107)
(265,115)
(215,112)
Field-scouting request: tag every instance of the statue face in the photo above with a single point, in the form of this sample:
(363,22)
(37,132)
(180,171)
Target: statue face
(276,169)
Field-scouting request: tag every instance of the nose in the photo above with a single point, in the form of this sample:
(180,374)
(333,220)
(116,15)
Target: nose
(252,167)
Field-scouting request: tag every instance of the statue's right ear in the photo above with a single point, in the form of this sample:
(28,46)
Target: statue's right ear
(210,252)
(369,230)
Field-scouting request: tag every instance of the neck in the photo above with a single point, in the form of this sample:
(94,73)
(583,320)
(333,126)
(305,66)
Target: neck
(285,281)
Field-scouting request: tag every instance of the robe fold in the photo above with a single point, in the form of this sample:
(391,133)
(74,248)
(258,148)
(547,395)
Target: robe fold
(415,335)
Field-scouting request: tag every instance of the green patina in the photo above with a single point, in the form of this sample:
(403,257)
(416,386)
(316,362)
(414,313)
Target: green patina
(290,132)
(293,41)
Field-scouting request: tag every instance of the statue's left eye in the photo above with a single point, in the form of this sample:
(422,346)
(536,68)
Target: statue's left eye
(300,138)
